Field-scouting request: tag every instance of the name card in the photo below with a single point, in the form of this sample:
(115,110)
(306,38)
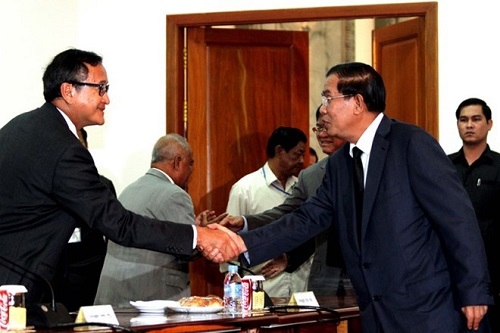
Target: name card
(96,314)
(303,298)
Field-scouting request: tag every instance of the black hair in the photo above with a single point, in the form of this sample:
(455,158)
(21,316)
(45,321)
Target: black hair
(286,137)
(69,65)
(475,101)
(359,78)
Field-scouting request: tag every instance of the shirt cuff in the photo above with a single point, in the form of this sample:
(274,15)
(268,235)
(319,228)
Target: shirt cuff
(245,224)
(195,236)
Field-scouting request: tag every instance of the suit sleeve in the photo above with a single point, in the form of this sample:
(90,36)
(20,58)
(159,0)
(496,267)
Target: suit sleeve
(78,189)
(297,256)
(437,188)
(286,233)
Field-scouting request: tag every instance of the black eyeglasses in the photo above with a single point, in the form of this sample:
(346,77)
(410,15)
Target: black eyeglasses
(103,87)
(319,129)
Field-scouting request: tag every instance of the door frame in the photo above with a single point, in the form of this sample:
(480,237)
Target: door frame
(176,58)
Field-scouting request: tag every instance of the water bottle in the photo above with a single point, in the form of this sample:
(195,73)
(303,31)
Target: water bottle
(232,291)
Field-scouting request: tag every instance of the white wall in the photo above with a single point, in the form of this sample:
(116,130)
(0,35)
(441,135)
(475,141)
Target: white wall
(130,35)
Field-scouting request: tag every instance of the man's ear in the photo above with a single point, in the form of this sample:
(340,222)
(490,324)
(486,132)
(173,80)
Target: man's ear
(278,150)
(67,91)
(358,102)
(177,162)
(358,98)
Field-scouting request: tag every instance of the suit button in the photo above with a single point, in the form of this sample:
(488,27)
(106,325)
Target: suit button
(376,298)
(366,265)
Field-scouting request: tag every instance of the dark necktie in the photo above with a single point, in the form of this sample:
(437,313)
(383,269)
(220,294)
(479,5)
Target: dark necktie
(359,187)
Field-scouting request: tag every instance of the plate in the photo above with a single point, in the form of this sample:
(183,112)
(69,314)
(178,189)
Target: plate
(195,309)
(148,319)
(156,307)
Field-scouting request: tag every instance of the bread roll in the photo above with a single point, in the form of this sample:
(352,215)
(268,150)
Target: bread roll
(198,301)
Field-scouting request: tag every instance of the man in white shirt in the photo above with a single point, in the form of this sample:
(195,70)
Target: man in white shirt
(267,187)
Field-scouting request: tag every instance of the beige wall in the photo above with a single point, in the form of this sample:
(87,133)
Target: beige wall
(131,37)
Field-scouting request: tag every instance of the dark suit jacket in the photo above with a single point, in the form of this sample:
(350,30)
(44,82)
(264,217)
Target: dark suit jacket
(308,182)
(48,186)
(421,256)
(77,275)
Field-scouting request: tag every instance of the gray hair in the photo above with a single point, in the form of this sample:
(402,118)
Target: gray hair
(168,146)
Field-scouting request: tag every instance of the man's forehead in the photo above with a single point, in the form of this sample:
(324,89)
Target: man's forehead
(471,110)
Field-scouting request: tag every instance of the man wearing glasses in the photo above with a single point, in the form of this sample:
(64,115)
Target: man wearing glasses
(415,255)
(49,184)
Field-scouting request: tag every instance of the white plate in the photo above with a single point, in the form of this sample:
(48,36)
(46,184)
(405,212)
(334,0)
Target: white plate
(196,309)
(148,319)
(157,306)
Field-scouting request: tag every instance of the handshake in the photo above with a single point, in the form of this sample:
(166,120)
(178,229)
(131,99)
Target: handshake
(217,240)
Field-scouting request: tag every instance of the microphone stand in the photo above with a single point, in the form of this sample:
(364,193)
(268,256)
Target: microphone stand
(42,315)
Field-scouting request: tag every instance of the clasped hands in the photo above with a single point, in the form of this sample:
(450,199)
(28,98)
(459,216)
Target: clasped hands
(219,244)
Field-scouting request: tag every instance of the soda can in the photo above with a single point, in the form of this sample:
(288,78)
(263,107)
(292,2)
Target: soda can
(12,307)
(4,310)
(246,293)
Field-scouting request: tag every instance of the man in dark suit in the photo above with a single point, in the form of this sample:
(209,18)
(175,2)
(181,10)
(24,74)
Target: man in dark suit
(416,260)
(49,184)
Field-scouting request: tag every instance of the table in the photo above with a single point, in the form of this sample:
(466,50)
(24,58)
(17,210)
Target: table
(269,321)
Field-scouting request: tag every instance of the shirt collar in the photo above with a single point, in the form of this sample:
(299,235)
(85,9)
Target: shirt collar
(163,172)
(459,157)
(365,141)
(271,178)
(71,126)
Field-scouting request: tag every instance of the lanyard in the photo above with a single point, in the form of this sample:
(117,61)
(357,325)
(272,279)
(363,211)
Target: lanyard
(274,185)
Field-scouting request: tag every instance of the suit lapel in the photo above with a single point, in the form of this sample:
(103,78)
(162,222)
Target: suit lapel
(378,155)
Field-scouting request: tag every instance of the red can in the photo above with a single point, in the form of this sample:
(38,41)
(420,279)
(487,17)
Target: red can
(4,310)
(12,307)
(246,293)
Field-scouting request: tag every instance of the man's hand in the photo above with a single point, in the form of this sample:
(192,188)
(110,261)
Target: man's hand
(233,223)
(207,217)
(275,266)
(474,314)
(219,244)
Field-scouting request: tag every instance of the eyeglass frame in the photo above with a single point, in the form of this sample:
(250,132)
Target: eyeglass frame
(319,129)
(325,100)
(103,87)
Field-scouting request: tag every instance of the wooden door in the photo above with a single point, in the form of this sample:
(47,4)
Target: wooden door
(399,56)
(241,85)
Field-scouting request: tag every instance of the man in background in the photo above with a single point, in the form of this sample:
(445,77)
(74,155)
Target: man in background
(268,187)
(479,169)
(137,274)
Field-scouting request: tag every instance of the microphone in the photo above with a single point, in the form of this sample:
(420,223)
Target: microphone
(42,315)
